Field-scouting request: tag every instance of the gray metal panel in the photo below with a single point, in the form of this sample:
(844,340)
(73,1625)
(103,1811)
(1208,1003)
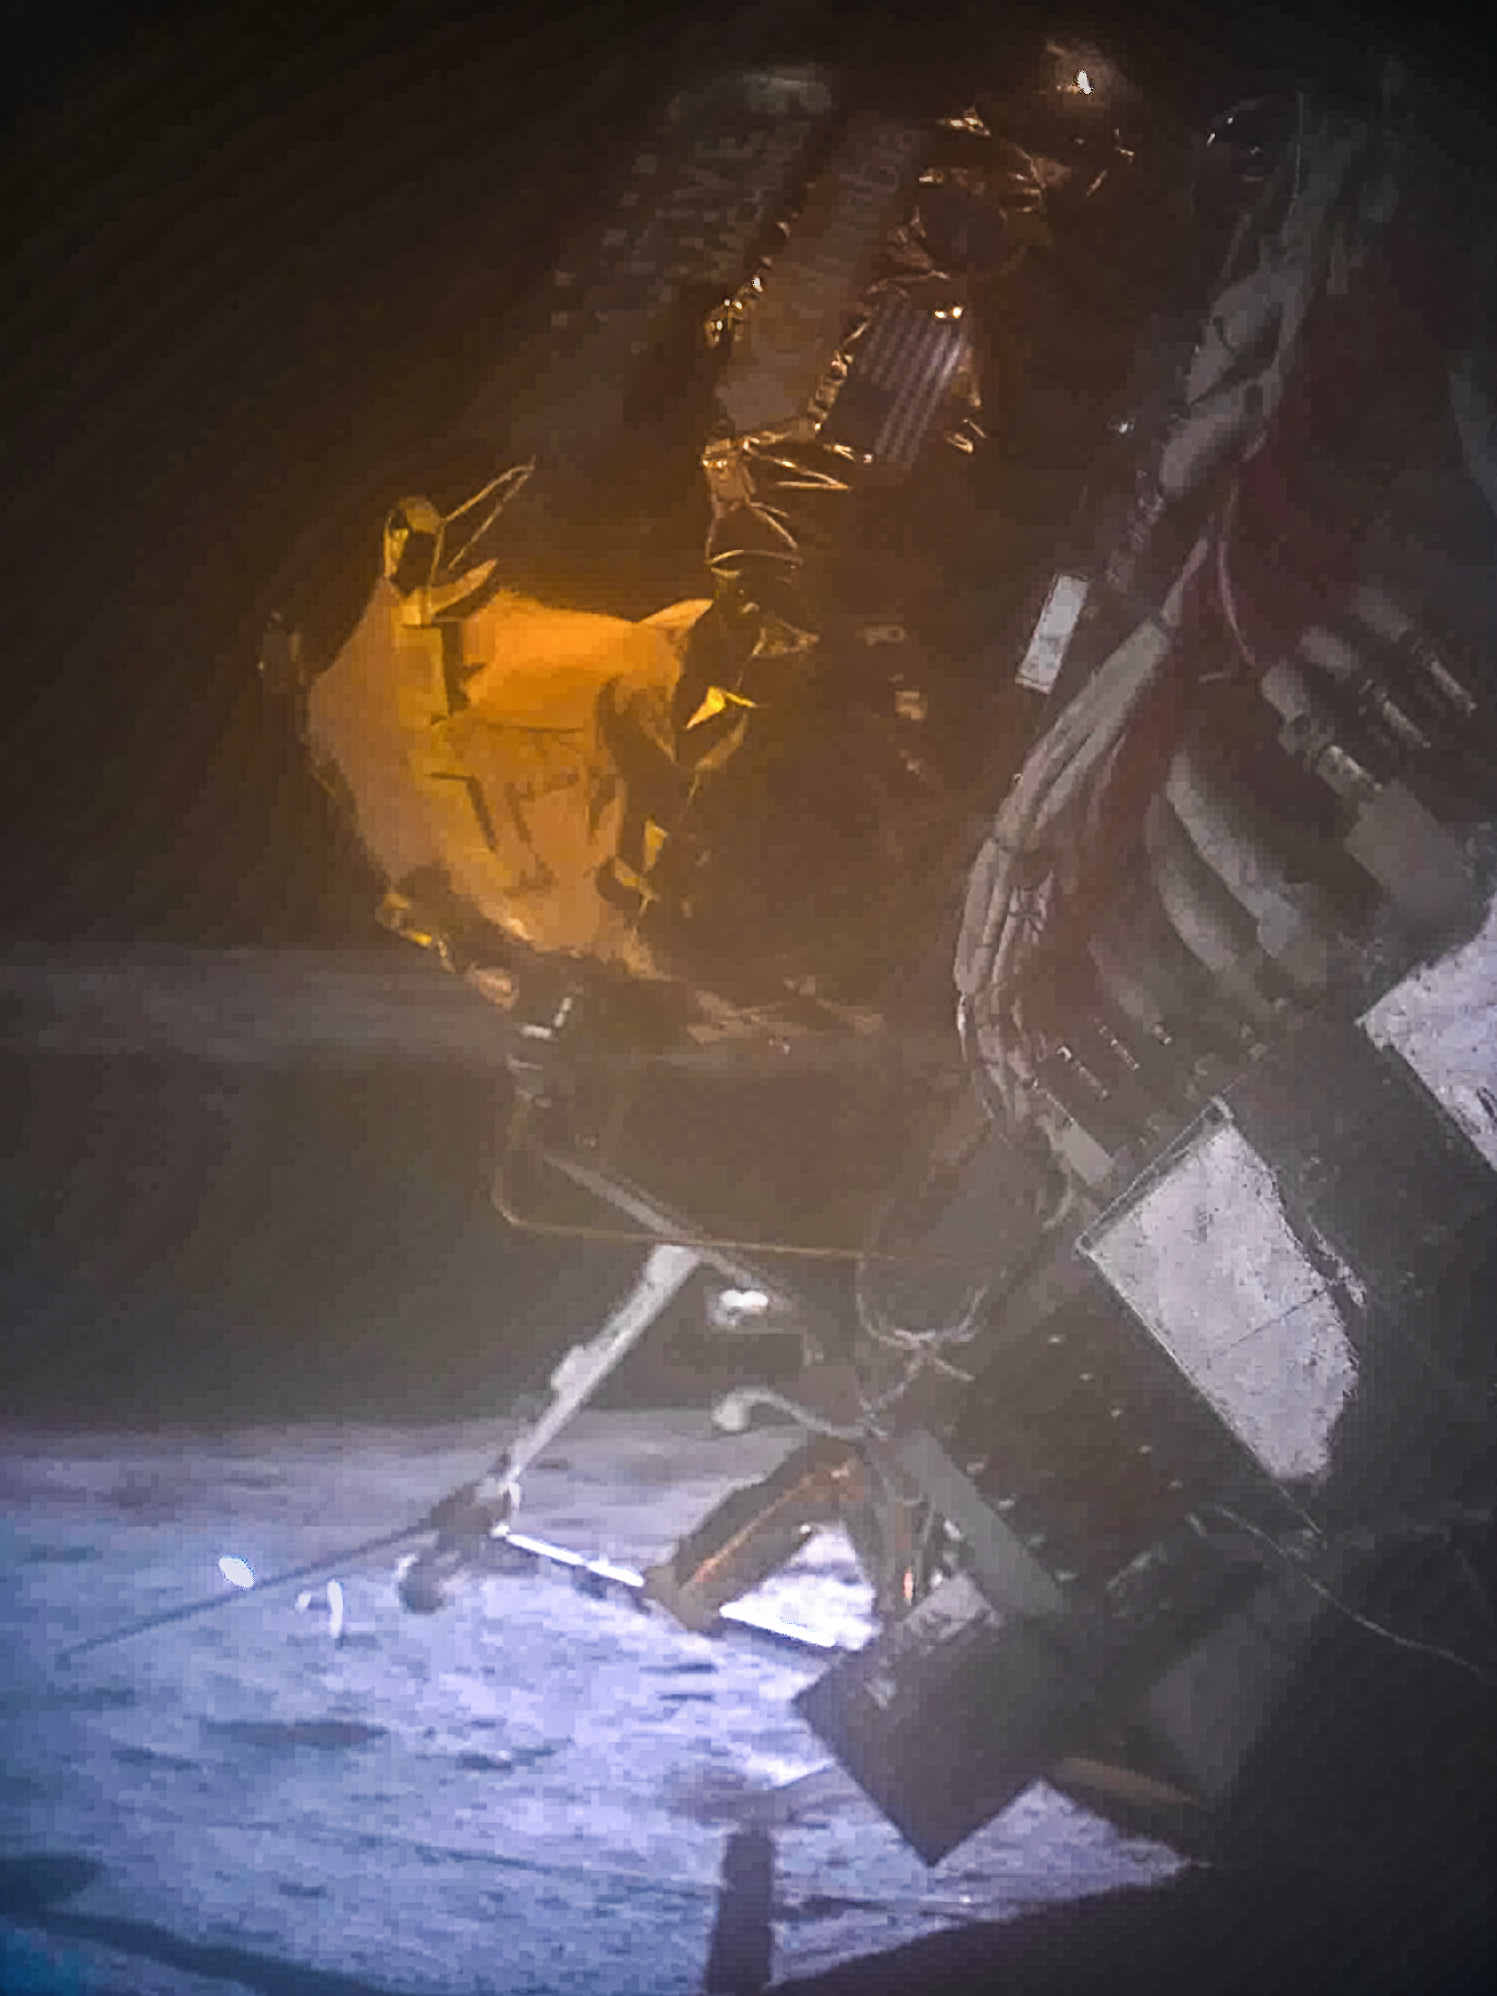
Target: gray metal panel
(948,1715)
(1010,1576)
(1366,1159)
(1201,1249)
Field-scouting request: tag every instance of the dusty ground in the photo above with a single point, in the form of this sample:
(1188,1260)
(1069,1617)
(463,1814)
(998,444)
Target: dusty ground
(521,1795)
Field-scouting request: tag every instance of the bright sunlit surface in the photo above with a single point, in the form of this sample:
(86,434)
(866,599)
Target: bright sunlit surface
(527,1792)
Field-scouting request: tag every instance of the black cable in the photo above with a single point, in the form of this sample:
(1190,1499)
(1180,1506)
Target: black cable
(342,1557)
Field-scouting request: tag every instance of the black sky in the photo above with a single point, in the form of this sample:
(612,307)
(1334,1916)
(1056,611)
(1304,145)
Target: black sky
(263,253)
(258,255)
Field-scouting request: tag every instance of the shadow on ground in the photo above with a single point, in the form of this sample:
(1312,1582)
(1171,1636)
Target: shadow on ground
(32,1892)
(1196,1932)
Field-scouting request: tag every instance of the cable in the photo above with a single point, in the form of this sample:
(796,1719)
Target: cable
(732,1413)
(308,1569)
(1365,1622)
(921,1349)
(691,1237)
(506,484)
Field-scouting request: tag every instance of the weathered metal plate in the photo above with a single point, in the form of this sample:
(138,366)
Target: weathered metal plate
(1377,1180)
(788,338)
(1202,1251)
(946,1717)
(1442,1019)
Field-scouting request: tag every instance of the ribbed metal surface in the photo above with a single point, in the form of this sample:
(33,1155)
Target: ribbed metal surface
(902,371)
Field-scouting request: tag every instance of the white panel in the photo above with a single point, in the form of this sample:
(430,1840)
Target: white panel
(1204,1254)
(1443,1020)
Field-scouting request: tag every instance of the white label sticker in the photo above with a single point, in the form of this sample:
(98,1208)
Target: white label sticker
(1053,633)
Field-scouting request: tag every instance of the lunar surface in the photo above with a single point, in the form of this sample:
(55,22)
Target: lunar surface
(525,1795)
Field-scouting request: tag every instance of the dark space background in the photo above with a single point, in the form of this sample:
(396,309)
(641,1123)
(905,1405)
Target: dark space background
(257,257)
(262,254)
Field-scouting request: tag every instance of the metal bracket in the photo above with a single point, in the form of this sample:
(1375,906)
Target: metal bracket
(1011,1579)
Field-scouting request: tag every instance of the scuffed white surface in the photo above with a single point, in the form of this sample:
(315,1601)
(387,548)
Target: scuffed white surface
(1443,1020)
(527,1817)
(1206,1257)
